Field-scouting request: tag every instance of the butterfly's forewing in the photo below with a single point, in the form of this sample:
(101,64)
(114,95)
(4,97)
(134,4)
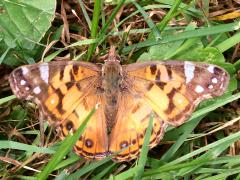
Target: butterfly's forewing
(56,87)
(66,93)
(131,124)
(173,89)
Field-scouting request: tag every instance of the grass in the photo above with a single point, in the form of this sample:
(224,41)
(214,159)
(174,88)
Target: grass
(204,147)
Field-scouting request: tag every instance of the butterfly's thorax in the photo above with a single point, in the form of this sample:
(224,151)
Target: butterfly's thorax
(112,77)
(111,83)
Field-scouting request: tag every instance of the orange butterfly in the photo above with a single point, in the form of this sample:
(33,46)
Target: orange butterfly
(67,91)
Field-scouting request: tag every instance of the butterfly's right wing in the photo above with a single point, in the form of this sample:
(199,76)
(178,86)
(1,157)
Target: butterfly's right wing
(171,90)
(174,88)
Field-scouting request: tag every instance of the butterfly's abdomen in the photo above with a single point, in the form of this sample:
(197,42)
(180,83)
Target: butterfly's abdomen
(111,83)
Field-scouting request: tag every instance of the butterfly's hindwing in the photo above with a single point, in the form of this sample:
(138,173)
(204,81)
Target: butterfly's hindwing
(93,143)
(131,124)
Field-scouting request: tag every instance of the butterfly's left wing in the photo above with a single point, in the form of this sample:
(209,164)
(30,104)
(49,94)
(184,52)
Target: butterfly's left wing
(66,92)
(173,89)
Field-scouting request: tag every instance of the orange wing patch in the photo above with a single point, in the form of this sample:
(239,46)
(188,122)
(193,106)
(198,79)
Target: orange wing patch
(128,133)
(70,74)
(67,88)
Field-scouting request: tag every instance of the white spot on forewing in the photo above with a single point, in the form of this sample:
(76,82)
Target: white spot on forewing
(189,71)
(52,101)
(180,100)
(22,82)
(97,105)
(221,86)
(211,69)
(37,90)
(24,70)
(210,86)
(214,80)
(44,72)
(27,88)
(223,77)
(199,89)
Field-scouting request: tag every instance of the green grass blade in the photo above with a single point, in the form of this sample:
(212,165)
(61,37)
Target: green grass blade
(219,103)
(87,18)
(23,177)
(237,64)
(176,167)
(78,43)
(88,168)
(6,99)
(190,9)
(134,31)
(68,161)
(24,147)
(229,43)
(186,35)
(64,148)
(104,172)
(222,142)
(185,46)
(101,35)
(2,57)
(211,155)
(179,163)
(225,175)
(171,13)
(94,28)
(110,20)
(53,55)
(188,128)
(82,42)
(148,20)
(144,151)
(126,174)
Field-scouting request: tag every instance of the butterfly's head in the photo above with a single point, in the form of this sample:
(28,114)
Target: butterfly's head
(113,56)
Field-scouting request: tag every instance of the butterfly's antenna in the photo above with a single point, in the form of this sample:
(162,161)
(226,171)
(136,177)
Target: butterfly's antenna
(112,55)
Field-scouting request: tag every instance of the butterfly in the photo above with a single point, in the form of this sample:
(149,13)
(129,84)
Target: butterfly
(67,91)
